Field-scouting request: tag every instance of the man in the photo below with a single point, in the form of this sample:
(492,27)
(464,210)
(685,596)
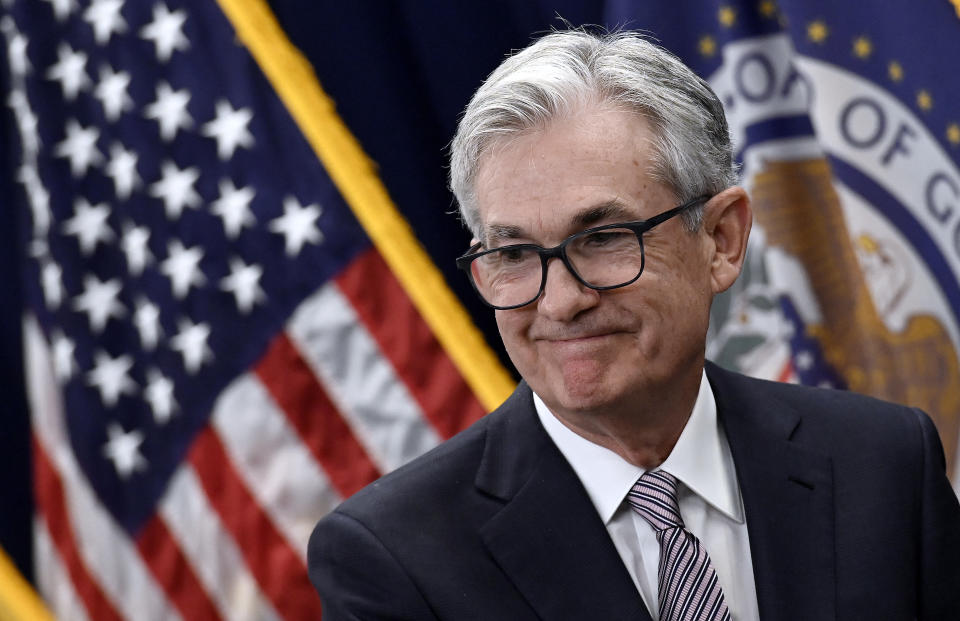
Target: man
(626,478)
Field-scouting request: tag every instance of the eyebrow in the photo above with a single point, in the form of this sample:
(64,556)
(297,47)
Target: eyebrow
(502,232)
(587,217)
(611,210)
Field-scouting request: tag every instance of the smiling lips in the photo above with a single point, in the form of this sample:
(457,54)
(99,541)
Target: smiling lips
(575,338)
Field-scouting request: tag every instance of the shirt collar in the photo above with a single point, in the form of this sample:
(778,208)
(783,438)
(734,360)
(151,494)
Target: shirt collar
(701,459)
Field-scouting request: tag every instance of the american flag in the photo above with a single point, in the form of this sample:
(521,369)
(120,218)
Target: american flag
(216,352)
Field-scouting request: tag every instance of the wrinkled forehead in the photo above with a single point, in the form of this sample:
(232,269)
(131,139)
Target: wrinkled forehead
(575,172)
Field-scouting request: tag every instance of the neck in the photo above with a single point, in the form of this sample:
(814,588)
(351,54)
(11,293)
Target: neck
(645,426)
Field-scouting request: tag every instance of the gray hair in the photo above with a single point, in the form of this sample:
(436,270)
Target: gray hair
(562,72)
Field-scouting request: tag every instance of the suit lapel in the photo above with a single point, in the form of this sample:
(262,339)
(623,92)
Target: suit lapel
(788,500)
(548,537)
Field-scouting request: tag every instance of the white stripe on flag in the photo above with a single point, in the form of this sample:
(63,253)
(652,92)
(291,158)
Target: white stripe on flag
(121,573)
(272,461)
(360,380)
(211,551)
(52,578)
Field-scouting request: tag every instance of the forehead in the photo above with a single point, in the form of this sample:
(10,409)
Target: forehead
(547,182)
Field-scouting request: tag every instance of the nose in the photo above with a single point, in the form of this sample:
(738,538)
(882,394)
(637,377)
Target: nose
(564,297)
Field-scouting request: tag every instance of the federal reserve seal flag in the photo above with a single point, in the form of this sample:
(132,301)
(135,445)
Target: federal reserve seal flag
(846,121)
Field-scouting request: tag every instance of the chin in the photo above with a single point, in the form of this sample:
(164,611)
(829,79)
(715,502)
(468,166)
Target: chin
(582,395)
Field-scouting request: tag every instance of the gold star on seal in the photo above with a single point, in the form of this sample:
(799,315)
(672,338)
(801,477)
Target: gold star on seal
(862,47)
(895,71)
(707,45)
(817,31)
(727,15)
(953,134)
(924,100)
(767,8)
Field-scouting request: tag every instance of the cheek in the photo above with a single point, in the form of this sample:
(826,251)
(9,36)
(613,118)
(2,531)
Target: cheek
(513,326)
(674,306)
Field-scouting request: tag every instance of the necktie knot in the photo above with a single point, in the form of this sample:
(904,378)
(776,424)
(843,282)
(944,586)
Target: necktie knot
(654,497)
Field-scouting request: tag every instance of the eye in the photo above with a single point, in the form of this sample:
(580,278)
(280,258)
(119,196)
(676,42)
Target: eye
(600,238)
(607,238)
(508,256)
(512,255)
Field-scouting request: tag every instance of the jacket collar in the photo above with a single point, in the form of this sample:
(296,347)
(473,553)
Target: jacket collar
(787,497)
(548,537)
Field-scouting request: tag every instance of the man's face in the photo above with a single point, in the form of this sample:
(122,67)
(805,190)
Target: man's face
(583,350)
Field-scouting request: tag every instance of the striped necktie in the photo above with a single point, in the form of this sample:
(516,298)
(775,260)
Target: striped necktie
(688,587)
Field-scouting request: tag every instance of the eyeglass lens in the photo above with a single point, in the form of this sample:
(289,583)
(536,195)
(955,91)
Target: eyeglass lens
(513,275)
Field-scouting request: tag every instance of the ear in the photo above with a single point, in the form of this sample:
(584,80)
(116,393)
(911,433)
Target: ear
(727,219)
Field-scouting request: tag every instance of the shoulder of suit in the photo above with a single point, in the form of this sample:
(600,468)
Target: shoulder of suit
(796,393)
(830,416)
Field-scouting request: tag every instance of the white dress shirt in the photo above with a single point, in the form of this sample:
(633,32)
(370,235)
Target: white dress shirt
(708,496)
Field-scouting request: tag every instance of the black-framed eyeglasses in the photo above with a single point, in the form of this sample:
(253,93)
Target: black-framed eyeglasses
(602,258)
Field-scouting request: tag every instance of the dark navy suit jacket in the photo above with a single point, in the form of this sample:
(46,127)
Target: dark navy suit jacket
(849,512)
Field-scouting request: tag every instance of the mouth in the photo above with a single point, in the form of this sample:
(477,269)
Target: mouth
(573,339)
(583,338)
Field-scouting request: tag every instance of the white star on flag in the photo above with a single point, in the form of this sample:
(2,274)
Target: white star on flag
(69,71)
(38,248)
(99,301)
(191,342)
(51,280)
(244,283)
(146,318)
(233,207)
(111,90)
(804,360)
(175,189)
(62,8)
(110,377)
(64,363)
(170,110)
(89,225)
(166,31)
(27,122)
(105,18)
(298,225)
(182,267)
(80,146)
(123,449)
(38,197)
(122,168)
(229,129)
(16,48)
(159,394)
(135,248)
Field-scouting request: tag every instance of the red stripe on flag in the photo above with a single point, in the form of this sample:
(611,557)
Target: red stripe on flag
(786,372)
(407,341)
(162,554)
(293,385)
(281,574)
(49,497)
